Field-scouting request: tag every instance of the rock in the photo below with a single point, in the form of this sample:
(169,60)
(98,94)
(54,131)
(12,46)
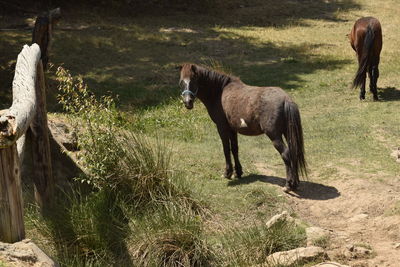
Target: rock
(397,245)
(357,252)
(330,264)
(64,135)
(359,217)
(396,154)
(315,234)
(287,258)
(362,251)
(282,217)
(25,253)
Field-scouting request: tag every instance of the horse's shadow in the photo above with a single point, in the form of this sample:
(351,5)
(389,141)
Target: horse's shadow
(389,94)
(306,190)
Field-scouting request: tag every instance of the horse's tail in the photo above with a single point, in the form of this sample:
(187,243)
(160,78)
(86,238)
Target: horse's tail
(364,61)
(294,139)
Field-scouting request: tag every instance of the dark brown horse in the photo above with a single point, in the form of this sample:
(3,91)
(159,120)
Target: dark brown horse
(239,108)
(366,40)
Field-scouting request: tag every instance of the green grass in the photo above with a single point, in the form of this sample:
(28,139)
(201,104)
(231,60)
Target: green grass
(394,209)
(300,46)
(252,245)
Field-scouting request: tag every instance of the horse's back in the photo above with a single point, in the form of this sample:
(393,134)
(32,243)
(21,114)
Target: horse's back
(359,32)
(249,109)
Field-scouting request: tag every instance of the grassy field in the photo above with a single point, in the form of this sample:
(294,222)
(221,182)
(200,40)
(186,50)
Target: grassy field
(300,46)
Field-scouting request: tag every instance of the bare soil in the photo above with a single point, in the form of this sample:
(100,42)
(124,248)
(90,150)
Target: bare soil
(356,212)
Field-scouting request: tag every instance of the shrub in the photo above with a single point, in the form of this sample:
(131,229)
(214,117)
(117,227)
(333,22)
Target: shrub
(135,167)
(136,195)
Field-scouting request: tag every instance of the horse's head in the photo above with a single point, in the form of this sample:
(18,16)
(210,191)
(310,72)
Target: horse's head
(189,84)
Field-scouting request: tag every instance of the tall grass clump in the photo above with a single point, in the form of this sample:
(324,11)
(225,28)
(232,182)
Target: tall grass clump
(127,163)
(170,238)
(244,247)
(133,194)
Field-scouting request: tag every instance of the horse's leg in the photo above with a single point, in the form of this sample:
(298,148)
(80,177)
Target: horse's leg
(374,75)
(224,135)
(235,151)
(364,76)
(291,182)
(362,89)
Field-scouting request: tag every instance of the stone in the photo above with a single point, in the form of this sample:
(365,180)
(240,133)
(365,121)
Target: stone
(282,217)
(397,245)
(304,254)
(357,252)
(361,251)
(25,253)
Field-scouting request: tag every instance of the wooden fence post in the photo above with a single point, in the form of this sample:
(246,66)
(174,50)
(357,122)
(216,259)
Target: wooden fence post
(11,205)
(43,32)
(41,156)
(13,124)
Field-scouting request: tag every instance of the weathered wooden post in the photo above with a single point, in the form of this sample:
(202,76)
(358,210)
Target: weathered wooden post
(13,124)
(41,157)
(43,32)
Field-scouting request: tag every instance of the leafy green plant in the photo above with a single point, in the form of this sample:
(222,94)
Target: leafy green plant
(95,122)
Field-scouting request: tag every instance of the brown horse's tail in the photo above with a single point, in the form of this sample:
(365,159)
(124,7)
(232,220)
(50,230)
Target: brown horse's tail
(294,139)
(365,59)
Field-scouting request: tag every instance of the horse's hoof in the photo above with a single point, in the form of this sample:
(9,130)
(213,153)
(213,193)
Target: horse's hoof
(238,174)
(227,175)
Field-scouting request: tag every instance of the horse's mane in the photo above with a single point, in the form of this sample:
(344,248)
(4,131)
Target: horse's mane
(216,77)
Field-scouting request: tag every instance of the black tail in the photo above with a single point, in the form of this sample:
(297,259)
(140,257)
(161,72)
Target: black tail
(364,61)
(294,139)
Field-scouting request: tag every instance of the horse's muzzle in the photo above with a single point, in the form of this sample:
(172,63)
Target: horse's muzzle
(188,101)
(189,104)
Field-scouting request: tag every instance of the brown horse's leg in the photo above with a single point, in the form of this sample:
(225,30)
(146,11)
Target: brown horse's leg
(235,151)
(362,88)
(224,135)
(279,145)
(373,76)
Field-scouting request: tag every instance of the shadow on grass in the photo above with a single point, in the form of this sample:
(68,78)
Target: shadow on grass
(389,94)
(135,58)
(306,190)
(140,67)
(83,227)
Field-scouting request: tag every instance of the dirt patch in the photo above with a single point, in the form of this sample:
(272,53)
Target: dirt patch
(355,212)
(396,154)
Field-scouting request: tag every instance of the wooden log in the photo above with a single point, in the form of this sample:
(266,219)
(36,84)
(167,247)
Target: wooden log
(15,121)
(41,155)
(13,124)
(11,206)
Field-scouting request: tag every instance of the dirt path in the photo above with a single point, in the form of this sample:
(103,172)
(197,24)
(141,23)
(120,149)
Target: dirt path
(356,212)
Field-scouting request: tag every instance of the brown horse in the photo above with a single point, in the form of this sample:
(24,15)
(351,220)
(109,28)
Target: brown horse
(239,108)
(366,40)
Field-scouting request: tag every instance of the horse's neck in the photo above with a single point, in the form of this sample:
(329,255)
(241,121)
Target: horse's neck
(211,85)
